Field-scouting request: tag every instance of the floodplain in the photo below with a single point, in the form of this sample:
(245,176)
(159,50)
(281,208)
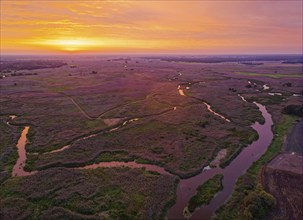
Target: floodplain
(134,137)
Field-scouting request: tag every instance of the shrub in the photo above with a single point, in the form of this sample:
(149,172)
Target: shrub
(293,110)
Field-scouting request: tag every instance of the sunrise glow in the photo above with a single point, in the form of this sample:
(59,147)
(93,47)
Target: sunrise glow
(69,44)
(151,26)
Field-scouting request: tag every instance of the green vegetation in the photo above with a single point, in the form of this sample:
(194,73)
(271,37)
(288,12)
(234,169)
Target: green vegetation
(203,123)
(257,204)
(114,156)
(229,158)
(249,200)
(293,110)
(180,140)
(265,100)
(245,137)
(92,124)
(120,193)
(206,192)
(157,150)
(8,151)
(275,76)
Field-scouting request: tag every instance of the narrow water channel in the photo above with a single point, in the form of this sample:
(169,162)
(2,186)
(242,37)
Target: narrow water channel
(181,92)
(131,164)
(187,187)
(18,169)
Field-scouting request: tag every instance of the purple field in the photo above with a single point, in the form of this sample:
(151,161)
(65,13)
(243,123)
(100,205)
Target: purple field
(177,113)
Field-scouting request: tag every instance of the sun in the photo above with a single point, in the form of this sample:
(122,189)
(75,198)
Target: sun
(70,45)
(73,45)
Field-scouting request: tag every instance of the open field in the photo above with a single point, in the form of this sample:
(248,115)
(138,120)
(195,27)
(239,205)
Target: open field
(176,115)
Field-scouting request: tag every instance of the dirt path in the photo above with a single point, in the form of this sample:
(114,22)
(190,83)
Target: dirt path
(84,113)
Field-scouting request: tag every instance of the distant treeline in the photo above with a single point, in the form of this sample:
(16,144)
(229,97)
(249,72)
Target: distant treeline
(15,65)
(292,59)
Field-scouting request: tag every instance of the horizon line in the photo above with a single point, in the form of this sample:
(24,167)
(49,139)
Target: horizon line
(153,54)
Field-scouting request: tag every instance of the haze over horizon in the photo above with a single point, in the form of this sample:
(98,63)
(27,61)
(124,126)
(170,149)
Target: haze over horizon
(151,27)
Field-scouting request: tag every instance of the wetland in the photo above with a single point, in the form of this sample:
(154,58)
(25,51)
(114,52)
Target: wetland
(104,141)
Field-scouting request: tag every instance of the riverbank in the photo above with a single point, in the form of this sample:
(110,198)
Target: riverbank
(250,182)
(187,188)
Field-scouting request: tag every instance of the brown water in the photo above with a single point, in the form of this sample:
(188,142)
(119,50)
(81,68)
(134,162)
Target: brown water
(215,113)
(187,188)
(131,164)
(18,169)
(181,92)
(58,150)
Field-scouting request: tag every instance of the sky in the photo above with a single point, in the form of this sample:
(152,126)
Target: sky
(160,27)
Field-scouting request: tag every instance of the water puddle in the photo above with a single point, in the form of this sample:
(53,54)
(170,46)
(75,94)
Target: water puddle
(181,92)
(124,123)
(274,93)
(11,117)
(265,87)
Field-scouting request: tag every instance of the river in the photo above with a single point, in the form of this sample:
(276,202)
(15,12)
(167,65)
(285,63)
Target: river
(187,187)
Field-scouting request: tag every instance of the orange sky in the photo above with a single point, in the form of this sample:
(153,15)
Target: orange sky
(203,27)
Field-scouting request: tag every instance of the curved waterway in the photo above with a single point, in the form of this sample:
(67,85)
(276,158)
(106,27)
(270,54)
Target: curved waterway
(187,187)
(131,164)
(208,106)
(18,169)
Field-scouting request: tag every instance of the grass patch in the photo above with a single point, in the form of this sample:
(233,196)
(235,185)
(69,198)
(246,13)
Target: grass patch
(246,137)
(94,124)
(206,192)
(275,76)
(8,150)
(59,88)
(121,193)
(249,200)
(114,156)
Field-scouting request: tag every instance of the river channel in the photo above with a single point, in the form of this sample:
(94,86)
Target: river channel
(187,187)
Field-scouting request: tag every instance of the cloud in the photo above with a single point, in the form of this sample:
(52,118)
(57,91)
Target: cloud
(178,25)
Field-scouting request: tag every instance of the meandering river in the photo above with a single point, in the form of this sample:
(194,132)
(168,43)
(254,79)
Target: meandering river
(187,187)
